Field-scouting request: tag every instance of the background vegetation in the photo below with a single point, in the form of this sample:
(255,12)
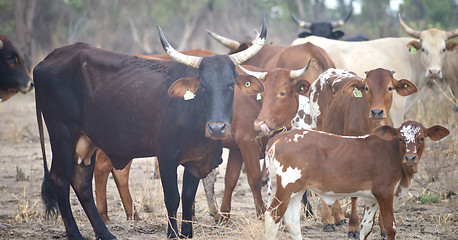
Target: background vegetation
(39,26)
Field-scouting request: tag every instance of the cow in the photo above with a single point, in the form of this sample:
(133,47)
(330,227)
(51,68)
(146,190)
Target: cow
(244,145)
(376,168)
(450,75)
(333,105)
(418,59)
(14,75)
(103,166)
(326,29)
(177,110)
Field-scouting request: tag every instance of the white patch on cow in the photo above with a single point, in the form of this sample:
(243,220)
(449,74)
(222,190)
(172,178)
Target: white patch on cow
(297,136)
(394,225)
(1,100)
(271,227)
(367,221)
(291,175)
(292,217)
(410,134)
(356,137)
(331,197)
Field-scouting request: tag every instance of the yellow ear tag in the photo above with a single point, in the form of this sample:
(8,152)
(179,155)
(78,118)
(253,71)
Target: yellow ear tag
(188,95)
(258,97)
(357,93)
(413,50)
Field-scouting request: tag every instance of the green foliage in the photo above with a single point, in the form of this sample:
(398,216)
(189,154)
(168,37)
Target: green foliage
(430,198)
(6,18)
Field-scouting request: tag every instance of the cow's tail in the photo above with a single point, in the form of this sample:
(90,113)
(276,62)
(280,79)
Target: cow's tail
(47,194)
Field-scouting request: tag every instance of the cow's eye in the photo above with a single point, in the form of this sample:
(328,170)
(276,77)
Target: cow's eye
(13,59)
(422,139)
(367,89)
(283,93)
(390,88)
(442,50)
(424,50)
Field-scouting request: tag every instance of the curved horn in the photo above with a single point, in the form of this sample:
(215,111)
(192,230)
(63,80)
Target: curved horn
(452,34)
(1,44)
(297,73)
(301,23)
(191,61)
(336,24)
(412,32)
(229,43)
(240,57)
(258,75)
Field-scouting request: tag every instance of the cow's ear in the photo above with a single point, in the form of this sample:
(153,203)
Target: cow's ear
(183,86)
(337,34)
(437,132)
(386,132)
(249,85)
(405,87)
(414,44)
(354,88)
(302,87)
(451,45)
(303,34)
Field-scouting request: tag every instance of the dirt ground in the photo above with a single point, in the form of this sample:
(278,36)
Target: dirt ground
(420,214)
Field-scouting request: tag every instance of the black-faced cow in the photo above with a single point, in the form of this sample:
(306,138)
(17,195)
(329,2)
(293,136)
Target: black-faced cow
(177,110)
(14,75)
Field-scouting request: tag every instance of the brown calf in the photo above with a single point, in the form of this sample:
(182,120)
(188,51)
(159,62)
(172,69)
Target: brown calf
(375,167)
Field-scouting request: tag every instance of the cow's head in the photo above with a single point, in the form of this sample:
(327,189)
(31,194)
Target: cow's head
(14,75)
(431,47)
(411,139)
(322,29)
(378,89)
(215,84)
(282,88)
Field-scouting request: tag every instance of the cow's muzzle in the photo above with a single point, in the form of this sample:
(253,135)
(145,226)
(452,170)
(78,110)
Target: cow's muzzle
(410,159)
(217,130)
(377,113)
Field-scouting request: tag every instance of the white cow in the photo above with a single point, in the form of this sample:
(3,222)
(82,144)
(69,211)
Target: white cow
(416,59)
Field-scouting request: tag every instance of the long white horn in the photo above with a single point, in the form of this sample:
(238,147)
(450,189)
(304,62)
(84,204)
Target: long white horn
(258,75)
(412,32)
(1,44)
(296,73)
(452,34)
(240,57)
(301,23)
(336,24)
(229,43)
(191,61)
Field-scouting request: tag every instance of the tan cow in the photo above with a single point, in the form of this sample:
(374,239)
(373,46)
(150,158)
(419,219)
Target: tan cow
(417,59)
(376,168)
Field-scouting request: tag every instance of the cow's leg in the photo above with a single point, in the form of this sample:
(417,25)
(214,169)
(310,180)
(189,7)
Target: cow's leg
(353,223)
(102,170)
(209,187)
(168,170)
(339,218)
(275,212)
(82,184)
(188,195)
(292,215)
(368,219)
(251,154)
(326,217)
(121,178)
(388,221)
(233,168)
(382,229)
(308,207)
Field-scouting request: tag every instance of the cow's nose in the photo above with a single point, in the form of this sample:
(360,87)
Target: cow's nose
(410,158)
(377,113)
(217,129)
(435,72)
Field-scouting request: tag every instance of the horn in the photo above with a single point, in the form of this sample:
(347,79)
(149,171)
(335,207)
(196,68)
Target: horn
(301,23)
(229,43)
(297,73)
(452,34)
(191,61)
(336,24)
(392,72)
(240,57)
(1,44)
(258,75)
(412,32)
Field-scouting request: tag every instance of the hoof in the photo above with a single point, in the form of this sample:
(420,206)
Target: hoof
(343,222)
(354,235)
(383,234)
(329,228)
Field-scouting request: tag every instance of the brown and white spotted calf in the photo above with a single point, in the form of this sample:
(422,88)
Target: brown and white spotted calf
(376,168)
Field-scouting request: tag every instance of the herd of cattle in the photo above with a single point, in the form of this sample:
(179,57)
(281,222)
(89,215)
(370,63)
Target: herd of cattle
(340,101)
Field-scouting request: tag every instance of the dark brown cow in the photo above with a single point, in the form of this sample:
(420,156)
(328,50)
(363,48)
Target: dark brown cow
(376,168)
(177,110)
(244,145)
(14,75)
(332,106)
